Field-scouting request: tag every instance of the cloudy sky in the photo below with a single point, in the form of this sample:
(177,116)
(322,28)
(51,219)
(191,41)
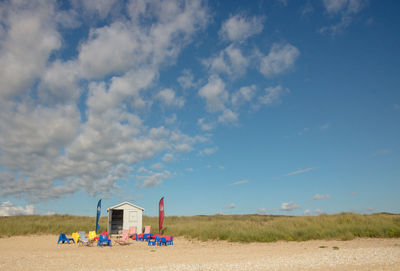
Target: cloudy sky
(277,107)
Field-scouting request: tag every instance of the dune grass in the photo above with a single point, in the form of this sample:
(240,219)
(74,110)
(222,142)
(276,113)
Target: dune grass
(54,224)
(234,228)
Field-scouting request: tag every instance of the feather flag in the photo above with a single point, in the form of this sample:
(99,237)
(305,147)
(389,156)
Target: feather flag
(98,215)
(161,214)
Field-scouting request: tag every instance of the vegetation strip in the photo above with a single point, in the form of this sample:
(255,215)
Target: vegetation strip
(234,228)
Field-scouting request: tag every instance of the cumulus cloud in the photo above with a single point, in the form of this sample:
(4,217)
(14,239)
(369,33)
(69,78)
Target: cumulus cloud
(167,96)
(273,95)
(345,9)
(243,95)
(9,209)
(280,59)
(208,151)
(204,125)
(153,178)
(318,196)
(238,28)
(54,141)
(289,206)
(215,94)
(30,37)
(186,80)
(229,61)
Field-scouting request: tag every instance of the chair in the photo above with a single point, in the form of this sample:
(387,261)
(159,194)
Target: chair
(162,241)
(147,229)
(103,240)
(170,240)
(154,242)
(132,232)
(124,239)
(75,236)
(92,235)
(63,238)
(83,239)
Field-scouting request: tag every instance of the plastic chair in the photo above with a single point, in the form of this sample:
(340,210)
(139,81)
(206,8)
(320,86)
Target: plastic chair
(154,242)
(170,240)
(83,239)
(92,235)
(147,229)
(132,231)
(63,238)
(162,241)
(75,236)
(124,239)
(103,240)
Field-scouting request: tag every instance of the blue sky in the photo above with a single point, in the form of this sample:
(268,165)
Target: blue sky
(232,107)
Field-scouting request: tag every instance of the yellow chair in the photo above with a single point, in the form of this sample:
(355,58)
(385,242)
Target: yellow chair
(75,236)
(92,235)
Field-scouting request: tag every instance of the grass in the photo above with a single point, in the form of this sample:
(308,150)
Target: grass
(234,228)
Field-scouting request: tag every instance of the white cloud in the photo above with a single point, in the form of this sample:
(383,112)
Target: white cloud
(289,206)
(280,59)
(153,178)
(261,211)
(95,7)
(208,151)
(273,95)
(300,171)
(240,182)
(28,39)
(204,125)
(171,120)
(157,166)
(186,80)
(346,6)
(228,116)
(215,94)
(303,131)
(326,126)
(167,96)
(243,95)
(9,209)
(229,61)
(59,144)
(318,196)
(189,169)
(346,9)
(168,157)
(238,28)
(307,212)
(230,206)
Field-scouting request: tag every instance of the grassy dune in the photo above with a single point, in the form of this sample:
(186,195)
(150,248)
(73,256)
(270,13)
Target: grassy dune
(235,228)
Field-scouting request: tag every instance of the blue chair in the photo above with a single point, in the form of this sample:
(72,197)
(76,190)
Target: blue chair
(63,238)
(103,240)
(163,241)
(170,241)
(154,242)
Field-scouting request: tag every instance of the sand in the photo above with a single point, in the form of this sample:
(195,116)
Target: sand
(43,253)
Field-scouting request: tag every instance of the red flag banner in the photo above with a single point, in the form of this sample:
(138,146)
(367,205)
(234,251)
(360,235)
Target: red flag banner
(161,213)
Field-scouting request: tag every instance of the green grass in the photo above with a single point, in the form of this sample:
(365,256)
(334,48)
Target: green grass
(234,228)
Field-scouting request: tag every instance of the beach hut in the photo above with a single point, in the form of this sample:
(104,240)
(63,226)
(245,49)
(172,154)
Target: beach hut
(122,216)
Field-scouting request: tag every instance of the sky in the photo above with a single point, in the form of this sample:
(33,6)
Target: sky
(221,107)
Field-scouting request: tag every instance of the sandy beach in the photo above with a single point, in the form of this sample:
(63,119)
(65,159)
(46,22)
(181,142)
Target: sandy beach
(43,253)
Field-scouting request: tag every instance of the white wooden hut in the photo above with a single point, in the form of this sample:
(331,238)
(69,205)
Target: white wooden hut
(124,215)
